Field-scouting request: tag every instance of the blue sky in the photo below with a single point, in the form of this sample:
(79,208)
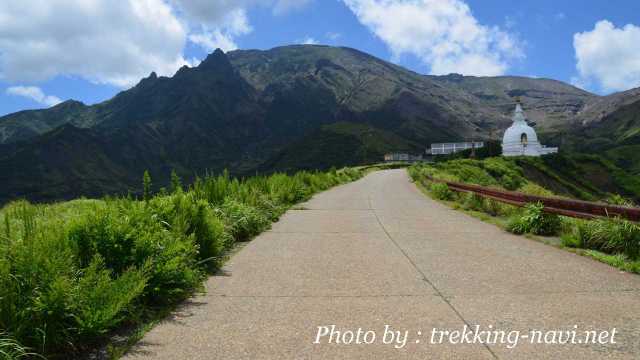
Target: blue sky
(90,50)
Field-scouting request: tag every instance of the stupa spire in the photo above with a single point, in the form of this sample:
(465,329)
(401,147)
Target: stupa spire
(518,114)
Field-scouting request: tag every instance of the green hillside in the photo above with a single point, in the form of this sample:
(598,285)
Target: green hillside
(579,176)
(340,144)
(616,137)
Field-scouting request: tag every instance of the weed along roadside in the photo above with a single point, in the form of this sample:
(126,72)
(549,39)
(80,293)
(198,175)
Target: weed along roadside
(611,240)
(72,273)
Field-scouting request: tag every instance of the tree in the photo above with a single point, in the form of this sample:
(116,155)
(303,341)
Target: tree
(176,184)
(146,185)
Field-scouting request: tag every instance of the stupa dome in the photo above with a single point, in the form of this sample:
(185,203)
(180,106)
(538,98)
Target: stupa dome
(521,139)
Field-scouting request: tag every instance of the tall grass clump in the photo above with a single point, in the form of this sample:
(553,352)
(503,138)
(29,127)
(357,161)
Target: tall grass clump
(11,349)
(612,236)
(532,219)
(72,272)
(441,191)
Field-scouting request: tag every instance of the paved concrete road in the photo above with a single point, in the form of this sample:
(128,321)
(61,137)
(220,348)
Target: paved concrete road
(377,252)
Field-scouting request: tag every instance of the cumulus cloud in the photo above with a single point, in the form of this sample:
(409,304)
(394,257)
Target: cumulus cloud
(217,24)
(222,35)
(308,41)
(34,93)
(110,42)
(117,42)
(608,57)
(444,34)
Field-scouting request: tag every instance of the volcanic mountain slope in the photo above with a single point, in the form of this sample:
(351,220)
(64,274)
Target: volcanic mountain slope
(286,108)
(616,136)
(551,104)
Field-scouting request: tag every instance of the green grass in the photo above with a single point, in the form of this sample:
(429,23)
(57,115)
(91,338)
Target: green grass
(613,241)
(72,273)
(533,220)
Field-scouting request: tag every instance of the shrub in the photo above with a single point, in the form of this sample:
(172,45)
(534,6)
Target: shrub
(614,236)
(243,221)
(616,199)
(569,240)
(101,300)
(441,191)
(192,217)
(154,236)
(534,220)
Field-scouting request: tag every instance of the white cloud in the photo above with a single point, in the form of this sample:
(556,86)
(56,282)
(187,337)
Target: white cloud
(213,12)
(608,56)
(442,33)
(217,24)
(213,40)
(117,42)
(111,42)
(34,93)
(308,41)
(333,35)
(222,36)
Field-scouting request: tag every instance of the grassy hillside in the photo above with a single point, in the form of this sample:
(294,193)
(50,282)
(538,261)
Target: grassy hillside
(610,240)
(340,144)
(616,138)
(72,272)
(581,176)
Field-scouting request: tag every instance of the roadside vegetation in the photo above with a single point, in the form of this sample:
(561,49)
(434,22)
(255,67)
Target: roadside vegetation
(73,272)
(611,240)
(581,176)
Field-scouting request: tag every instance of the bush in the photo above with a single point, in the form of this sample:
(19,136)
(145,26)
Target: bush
(192,217)
(569,240)
(101,299)
(614,236)
(535,221)
(619,200)
(243,221)
(441,191)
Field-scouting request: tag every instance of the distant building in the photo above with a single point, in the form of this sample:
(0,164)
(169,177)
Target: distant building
(401,157)
(520,139)
(450,148)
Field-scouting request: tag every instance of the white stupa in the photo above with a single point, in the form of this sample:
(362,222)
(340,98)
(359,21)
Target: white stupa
(520,139)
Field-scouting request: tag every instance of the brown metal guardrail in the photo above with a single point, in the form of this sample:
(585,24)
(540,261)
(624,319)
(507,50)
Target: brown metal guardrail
(566,207)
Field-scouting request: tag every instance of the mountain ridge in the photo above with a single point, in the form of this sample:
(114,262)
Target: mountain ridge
(253,110)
